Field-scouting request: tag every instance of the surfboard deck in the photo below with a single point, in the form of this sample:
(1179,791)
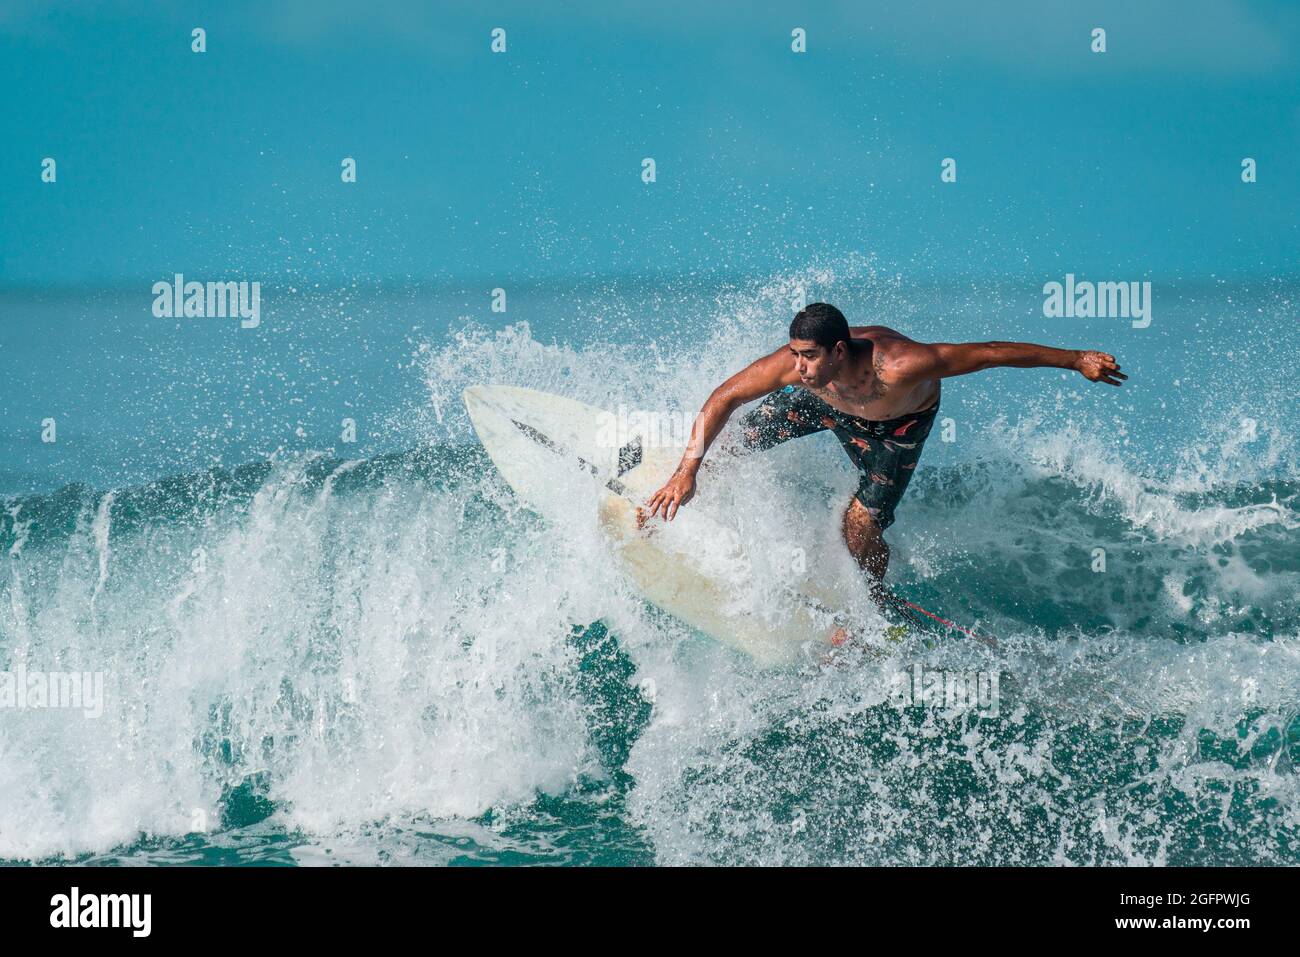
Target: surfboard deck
(694,568)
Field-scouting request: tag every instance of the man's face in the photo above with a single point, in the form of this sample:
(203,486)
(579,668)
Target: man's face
(816,366)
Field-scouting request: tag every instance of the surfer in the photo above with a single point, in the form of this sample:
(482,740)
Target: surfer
(875,389)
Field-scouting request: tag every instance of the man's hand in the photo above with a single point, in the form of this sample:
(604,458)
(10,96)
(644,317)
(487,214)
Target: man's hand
(678,490)
(1099,367)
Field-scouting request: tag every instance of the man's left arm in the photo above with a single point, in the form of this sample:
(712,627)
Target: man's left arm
(941,360)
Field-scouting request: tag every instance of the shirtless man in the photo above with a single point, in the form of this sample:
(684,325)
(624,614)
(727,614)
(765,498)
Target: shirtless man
(876,389)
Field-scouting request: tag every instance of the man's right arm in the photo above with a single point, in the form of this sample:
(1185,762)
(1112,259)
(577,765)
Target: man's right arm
(753,382)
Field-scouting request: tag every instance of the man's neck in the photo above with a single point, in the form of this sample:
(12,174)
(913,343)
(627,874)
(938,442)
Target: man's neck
(856,375)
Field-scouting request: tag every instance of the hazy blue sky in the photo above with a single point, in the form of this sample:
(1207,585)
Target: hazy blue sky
(527,165)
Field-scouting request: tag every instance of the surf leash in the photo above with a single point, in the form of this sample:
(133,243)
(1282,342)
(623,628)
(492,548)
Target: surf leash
(908,608)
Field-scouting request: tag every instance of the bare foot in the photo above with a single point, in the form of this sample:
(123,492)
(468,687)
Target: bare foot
(841,636)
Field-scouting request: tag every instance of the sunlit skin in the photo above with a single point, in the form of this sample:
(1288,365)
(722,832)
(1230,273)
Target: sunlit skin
(879,374)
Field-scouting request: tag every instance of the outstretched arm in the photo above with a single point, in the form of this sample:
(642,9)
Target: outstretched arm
(939,360)
(754,381)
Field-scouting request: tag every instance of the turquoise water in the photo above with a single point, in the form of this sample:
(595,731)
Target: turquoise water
(324,652)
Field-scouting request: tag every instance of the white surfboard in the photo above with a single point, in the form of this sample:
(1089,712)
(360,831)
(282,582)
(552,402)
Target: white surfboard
(693,568)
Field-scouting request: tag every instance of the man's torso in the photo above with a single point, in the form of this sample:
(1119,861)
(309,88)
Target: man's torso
(872,393)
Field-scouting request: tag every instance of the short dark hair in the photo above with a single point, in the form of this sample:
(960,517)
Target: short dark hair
(822,323)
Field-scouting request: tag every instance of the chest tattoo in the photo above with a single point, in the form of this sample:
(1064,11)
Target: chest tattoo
(877,386)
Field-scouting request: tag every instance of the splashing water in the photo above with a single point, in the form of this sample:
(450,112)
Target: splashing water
(390,659)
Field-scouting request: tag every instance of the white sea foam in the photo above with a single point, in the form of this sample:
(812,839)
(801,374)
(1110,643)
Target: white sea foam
(364,645)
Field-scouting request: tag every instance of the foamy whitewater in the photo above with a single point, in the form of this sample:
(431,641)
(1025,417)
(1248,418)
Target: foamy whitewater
(310,657)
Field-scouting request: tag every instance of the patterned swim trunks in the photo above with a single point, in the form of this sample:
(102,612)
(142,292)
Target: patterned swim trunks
(885,452)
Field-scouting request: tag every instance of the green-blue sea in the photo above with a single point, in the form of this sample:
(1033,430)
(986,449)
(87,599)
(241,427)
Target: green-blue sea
(320,651)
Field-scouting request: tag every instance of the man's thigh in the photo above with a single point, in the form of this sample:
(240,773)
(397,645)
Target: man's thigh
(887,465)
(785,414)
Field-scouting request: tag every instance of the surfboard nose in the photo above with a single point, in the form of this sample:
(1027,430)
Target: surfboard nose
(475,399)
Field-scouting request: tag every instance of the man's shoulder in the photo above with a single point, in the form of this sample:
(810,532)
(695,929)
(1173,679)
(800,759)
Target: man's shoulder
(897,356)
(884,338)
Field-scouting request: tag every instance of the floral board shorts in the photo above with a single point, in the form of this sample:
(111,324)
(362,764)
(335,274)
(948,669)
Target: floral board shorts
(885,453)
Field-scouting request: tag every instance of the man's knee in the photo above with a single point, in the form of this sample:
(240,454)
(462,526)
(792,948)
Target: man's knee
(862,532)
(861,519)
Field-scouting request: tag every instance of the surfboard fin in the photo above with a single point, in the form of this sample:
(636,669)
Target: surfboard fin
(629,456)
